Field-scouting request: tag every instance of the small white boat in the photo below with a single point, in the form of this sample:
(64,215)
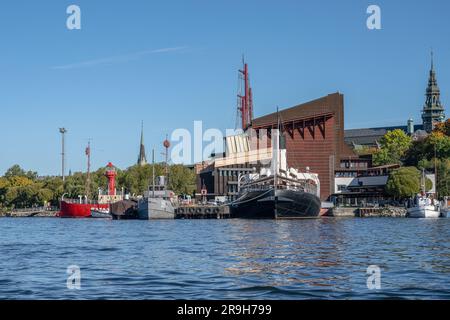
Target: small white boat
(424,206)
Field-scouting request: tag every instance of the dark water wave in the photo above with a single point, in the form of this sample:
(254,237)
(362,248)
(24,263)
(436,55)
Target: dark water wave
(234,259)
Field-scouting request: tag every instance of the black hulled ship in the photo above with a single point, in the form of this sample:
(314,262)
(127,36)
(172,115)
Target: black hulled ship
(278,192)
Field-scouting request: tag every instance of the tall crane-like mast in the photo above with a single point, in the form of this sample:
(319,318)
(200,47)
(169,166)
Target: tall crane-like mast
(245,98)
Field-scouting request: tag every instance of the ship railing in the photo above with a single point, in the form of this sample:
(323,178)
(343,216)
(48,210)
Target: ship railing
(302,188)
(78,201)
(268,182)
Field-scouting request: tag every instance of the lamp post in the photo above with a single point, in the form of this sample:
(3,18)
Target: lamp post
(63,131)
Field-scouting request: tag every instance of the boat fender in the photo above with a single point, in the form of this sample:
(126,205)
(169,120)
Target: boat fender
(191,210)
(208,211)
(181,210)
(199,210)
(216,210)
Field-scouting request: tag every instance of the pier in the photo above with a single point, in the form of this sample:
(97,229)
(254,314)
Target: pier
(202,212)
(33,212)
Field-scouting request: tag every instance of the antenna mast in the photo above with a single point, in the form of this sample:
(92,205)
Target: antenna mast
(167,146)
(88,179)
(153,172)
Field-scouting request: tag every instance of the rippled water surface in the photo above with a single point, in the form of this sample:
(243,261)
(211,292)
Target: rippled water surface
(225,259)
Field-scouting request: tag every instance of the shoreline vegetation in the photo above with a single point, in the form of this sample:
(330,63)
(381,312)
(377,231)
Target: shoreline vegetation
(20,189)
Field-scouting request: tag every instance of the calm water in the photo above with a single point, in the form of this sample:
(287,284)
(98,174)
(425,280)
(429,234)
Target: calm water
(228,259)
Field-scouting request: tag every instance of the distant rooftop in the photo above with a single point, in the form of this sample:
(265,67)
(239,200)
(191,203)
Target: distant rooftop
(371,136)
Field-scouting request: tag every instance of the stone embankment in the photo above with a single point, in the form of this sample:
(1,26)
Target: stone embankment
(32,212)
(388,212)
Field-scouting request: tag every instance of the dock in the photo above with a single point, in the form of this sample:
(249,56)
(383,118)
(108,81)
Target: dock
(202,212)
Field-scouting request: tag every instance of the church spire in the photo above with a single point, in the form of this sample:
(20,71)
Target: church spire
(432,60)
(142,160)
(433,110)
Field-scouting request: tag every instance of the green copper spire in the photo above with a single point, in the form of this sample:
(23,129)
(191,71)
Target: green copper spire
(142,160)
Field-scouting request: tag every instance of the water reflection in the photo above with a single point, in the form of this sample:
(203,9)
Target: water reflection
(289,253)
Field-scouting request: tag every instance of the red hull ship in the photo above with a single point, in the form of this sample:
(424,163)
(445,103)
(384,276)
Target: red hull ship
(83,209)
(80,210)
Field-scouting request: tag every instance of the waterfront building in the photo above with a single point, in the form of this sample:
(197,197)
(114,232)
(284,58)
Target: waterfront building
(367,188)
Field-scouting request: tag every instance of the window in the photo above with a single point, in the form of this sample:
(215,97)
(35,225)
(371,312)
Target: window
(341,187)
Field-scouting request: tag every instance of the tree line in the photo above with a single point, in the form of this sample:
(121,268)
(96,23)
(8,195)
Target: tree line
(25,189)
(414,155)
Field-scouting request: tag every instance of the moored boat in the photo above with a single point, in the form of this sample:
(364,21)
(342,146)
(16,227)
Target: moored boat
(423,206)
(424,209)
(73,209)
(158,201)
(84,207)
(278,192)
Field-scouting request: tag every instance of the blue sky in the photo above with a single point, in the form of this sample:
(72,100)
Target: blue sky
(172,62)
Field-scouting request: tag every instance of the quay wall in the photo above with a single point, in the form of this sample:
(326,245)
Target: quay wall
(393,212)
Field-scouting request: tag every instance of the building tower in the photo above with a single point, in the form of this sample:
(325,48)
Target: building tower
(433,110)
(142,160)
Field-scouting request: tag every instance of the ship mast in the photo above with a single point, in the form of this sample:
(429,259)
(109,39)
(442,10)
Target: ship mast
(88,179)
(245,99)
(166,144)
(153,172)
(275,157)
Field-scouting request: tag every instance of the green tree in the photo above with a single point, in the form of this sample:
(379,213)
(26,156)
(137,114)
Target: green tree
(436,145)
(15,171)
(439,144)
(137,179)
(394,146)
(443,177)
(443,174)
(405,182)
(182,179)
(443,127)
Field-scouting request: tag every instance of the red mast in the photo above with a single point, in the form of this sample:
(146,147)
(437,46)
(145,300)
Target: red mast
(245,106)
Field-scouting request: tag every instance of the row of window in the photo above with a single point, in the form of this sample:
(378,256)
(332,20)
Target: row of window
(347,165)
(346,174)
(232,173)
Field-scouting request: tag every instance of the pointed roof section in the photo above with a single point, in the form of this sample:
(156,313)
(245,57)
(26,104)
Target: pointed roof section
(142,159)
(433,110)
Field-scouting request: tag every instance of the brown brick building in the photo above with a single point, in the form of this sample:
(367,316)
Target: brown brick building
(314,133)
